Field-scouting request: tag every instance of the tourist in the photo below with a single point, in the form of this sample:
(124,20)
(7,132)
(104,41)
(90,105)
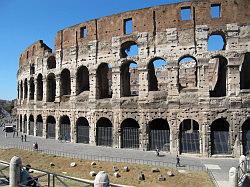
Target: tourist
(157,151)
(35,146)
(27,179)
(178,161)
(25,137)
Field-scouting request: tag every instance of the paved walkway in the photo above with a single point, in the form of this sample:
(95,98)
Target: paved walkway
(218,166)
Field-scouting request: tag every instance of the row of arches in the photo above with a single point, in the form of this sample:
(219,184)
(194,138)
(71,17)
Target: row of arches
(129,76)
(158,133)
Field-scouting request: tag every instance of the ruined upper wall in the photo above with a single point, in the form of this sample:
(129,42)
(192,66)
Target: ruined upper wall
(156,19)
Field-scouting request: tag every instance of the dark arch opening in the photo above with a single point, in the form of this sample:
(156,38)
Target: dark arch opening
(51,127)
(65,82)
(159,135)
(21,124)
(31,125)
(189,137)
(25,124)
(39,126)
(129,49)
(65,128)
(245,73)
(82,80)
(40,87)
(32,88)
(51,87)
(216,41)
(104,135)
(129,79)
(130,134)
(51,62)
(246,137)
(104,81)
(21,90)
(25,89)
(82,129)
(220,142)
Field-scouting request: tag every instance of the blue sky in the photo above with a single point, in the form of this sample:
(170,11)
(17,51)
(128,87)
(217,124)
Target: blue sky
(25,21)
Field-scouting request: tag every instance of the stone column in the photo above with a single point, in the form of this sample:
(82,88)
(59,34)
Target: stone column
(116,82)
(44,126)
(144,132)
(15,171)
(116,130)
(35,91)
(92,85)
(35,127)
(73,86)
(143,83)
(233,77)
(28,92)
(92,133)
(57,98)
(57,118)
(44,89)
(173,85)
(73,128)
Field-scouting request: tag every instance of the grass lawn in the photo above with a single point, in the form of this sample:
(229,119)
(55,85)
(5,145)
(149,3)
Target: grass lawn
(83,167)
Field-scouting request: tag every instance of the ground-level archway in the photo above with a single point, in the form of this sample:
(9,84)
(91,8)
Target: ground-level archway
(65,129)
(104,136)
(25,124)
(51,127)
(220,142)
(159,135)
(39,126)
(31,125)
(82,129)
(189,138)
(246,136)
(130,134)
(21,123)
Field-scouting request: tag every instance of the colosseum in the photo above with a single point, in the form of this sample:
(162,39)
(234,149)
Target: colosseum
(103,85)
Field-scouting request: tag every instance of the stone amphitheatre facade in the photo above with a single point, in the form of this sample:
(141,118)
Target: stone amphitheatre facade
(87,91)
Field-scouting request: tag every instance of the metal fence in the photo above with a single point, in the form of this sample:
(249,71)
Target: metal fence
(212,178)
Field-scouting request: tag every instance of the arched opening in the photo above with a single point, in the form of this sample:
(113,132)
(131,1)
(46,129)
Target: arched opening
(25,124)
(129,49)
(159,135)
(189,137)
(51,87)
(216,41)
(130,134)
(246,136)
(32,88)
(220,142)
(82,80)
(31,125)
(104,81)
(156,73)
(39,126)
(21,123)
(51,127)
(218,76)
(104,136)
(39,87)
(25,89)
(187,77)
(129,79)
(65,82)
(245,73)
(65,128)
(82,129)
(51,62)
(21,90)
(18,90)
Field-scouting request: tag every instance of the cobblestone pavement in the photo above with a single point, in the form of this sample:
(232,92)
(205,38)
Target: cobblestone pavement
(218,166)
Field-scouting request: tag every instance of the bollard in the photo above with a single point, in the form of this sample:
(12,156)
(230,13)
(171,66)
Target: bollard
(101,179)
(15,171)
(233,175)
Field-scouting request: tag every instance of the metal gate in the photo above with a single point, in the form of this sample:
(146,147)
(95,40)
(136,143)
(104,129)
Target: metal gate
(104,136)
(65,132)
(220,142)
(246,141)
(31,128)
(39,128)
(130,137)
(190,142)
(82,134)
(24,127)
(159,139)
(51,130)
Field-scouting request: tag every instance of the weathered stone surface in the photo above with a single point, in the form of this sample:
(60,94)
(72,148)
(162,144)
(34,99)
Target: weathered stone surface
(92,173)
(154,170)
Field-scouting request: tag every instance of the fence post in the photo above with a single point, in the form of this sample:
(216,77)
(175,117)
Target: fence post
(15,171)
(233,175)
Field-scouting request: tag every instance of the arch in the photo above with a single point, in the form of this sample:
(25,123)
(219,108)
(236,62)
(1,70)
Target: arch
(82,80)
(82,129)
(51,127)
(129,79)
(246,136)
(65,128)
(39,87)
(25,89)
(104,81)
(159,134)
(39,125)
(130,134)
(128,49)
(51,62)
(51,87)
(21,123)
(245,73)
(32,88)
(104,135)
(18,90)
(218,76)
(216,41)
(21,90)
(220,142)
(187,74)
(65,83)
(189,137)
(31,125)
(25,124)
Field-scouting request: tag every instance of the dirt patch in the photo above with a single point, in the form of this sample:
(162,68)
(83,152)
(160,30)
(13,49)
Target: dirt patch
(83,167)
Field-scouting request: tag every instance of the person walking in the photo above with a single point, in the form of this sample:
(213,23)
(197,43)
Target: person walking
(25,137)
(178,161)
(157,151)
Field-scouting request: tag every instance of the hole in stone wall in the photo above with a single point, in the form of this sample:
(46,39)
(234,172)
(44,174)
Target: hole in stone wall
(32,69)
(216,42)
(25,89)
(65,82)
(40,87)
(50,127)
(83,32)
(215,10)
(51,62)
(82,80)
(32,88)
(128,26)
(245,73)
(186,13)
(51,87)
(82,129)
(129,49)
